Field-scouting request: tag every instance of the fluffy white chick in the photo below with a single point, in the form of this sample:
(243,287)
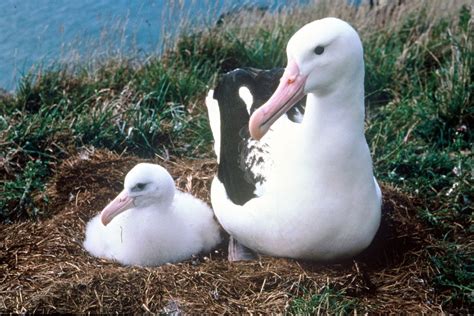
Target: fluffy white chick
(151,223)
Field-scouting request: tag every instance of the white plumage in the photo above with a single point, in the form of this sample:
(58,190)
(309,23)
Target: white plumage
(151,223)
(320,200)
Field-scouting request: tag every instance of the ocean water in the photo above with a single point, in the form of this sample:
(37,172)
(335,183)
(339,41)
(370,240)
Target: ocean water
(36,33)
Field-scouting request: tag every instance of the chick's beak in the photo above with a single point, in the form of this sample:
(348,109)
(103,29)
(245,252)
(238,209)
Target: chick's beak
(120,204)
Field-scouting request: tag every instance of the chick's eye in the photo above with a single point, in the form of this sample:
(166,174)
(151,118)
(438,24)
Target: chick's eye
(140,186)
(319,50)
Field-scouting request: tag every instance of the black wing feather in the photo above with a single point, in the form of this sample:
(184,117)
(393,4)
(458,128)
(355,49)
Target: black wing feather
(238,152)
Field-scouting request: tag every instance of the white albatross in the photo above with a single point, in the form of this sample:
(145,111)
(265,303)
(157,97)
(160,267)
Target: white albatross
(320,199)
(151,223)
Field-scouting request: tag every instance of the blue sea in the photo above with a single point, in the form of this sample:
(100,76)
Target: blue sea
(36,33)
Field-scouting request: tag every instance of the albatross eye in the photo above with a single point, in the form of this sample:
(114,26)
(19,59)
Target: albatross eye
(319,50)
(139,187)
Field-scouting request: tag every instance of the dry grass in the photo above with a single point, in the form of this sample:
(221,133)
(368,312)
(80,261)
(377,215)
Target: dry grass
(43,267)
(365,19)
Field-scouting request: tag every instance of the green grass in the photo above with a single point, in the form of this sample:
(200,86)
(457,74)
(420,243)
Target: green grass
(327,301)
(454,268)
(419,117)
(18,194)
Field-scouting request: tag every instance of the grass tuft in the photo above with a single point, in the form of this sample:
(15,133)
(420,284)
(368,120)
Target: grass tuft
(327,300)
(455,275)
(18,194)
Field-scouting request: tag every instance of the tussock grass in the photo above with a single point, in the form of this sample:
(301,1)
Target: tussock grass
(419,60)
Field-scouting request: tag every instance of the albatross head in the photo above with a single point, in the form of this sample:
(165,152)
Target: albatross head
(322,56)
(145,185)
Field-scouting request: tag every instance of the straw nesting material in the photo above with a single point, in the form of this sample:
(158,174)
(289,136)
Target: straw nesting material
(43,267)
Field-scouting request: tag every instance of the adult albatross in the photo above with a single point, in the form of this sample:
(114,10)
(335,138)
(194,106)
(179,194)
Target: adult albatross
(316,197)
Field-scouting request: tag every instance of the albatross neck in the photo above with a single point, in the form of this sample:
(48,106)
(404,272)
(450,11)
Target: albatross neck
(337,113)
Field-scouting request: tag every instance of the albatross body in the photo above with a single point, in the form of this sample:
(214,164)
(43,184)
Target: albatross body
(319,199)
(150,222)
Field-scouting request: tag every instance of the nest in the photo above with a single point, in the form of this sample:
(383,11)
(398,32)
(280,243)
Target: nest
(43,267)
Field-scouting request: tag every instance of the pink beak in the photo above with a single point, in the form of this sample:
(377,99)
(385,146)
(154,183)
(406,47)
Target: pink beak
(120,204)
(289,91)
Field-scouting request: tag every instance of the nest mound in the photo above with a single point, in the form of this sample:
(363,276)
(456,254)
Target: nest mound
(43,267)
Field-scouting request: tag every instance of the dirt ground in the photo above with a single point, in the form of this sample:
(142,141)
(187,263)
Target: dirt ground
(43,267)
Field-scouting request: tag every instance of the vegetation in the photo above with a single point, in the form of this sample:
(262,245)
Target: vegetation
(328,300)
(419,60)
